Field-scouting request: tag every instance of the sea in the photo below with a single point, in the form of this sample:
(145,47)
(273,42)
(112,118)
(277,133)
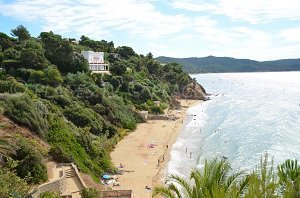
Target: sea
(248,115)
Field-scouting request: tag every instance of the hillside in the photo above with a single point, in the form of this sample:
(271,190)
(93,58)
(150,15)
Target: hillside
(212,64)
(46,86)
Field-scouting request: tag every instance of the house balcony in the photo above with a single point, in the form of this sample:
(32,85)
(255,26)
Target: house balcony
(99,68)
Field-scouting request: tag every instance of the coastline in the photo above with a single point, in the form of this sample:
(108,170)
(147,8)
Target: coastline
(145,152)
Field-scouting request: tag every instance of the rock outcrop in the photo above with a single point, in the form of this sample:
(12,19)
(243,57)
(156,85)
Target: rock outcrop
(193,91)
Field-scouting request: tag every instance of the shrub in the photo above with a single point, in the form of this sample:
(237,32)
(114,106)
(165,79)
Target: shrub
(52,77)
(89,193)
(119,113)
(156,110)
(36,76)
(49,195)
(10,85)
(23,110)
(85,117)
(66,146)
(11,184)
(31,164)
(59,155)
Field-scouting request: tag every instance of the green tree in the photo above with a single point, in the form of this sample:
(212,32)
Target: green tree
(125,52)
(6,148)
(118,68)
(36,76)
(31,164)
(22,110)
(21,32)
(50,195)
(289,177)
(89,193)
(11,184)
(32,55)
(5,41)
(60,53)
(262,181)
(215,180)
(53,77)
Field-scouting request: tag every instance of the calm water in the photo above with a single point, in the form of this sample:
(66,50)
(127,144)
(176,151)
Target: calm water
(248,114)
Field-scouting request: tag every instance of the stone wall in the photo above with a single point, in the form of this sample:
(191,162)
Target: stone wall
(161,117)
(117,194)
(54,186)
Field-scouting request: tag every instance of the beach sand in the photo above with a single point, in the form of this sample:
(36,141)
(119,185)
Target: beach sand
(141,149)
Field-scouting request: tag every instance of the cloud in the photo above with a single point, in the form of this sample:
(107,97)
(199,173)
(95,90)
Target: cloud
(254,11)
(97,17)
(290,35)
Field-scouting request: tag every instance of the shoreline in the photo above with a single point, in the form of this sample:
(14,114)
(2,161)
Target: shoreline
(145,152)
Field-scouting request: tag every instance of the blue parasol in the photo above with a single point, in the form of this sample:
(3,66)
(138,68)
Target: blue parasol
(105,177)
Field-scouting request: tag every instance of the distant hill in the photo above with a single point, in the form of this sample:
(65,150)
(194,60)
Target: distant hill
(212,64)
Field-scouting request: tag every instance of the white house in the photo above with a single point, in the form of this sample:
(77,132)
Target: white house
(96,61)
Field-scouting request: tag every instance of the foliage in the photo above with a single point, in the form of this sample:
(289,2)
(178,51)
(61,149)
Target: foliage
(89,193)
(10,85)
(102,45)
(85,117)
(32,55)
(262,181)
(23,110)
(118,68)
(65,145)
(59,155)
(10,184)
(49,89)
(6,147)
(60,52)
(52,77)
(49,195)
(125,52)
(289,178)
(5,41)
(31,164)
(21,32)
(214,181)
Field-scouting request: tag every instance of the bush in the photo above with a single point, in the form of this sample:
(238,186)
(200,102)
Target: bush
(36,76)
(49,195)
(59,155)
(65,146)
(119,113)
(156,110)
(10,85)
(11,184)
(23,110)
(89,193)
(31,164)
(85,117)
(52,77)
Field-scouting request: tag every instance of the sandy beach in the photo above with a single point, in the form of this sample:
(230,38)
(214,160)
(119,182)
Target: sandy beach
(144,153)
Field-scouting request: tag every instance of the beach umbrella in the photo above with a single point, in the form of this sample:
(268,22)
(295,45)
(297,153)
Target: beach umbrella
(105,177)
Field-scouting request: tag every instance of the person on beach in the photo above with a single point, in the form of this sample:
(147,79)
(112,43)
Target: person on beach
(190,155)
(185,150)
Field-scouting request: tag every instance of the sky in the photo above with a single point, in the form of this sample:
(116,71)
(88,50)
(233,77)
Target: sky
(254,29)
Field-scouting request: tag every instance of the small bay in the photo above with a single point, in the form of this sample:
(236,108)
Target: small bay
(248,115)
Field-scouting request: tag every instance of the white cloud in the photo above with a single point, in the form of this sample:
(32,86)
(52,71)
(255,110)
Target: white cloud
(290,35)
(252,11)
(97,17)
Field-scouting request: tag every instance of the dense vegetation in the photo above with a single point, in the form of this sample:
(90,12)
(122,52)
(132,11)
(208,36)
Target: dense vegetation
(47,87)
(217,180)
(213,64)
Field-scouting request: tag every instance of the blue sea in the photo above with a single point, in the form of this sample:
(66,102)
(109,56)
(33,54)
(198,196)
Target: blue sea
(248,115)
